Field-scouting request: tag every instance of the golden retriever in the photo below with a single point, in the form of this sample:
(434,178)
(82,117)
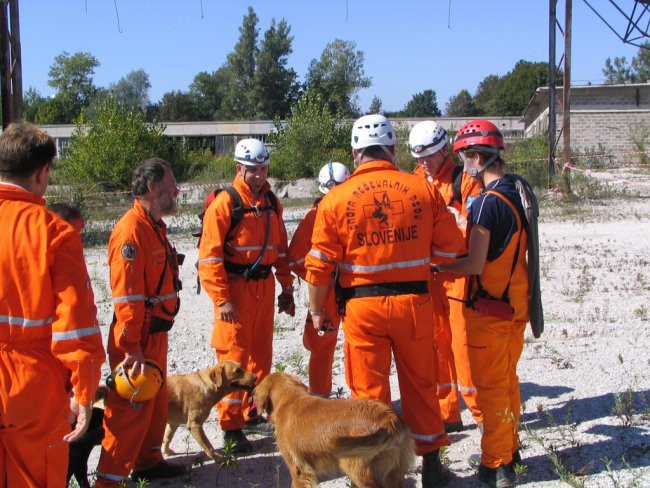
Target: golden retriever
(192,396)
(366,439)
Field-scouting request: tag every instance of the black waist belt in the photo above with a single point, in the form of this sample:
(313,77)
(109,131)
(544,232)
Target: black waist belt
(260,272)
(386,289)
(160,325)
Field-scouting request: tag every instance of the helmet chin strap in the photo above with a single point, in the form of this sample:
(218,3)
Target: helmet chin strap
(474,172)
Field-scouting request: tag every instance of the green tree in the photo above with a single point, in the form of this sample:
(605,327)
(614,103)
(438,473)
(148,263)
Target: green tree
(106,148)
(638,71)
(510,94)
(33,103)
(132,91)
(338,76)
(484,93)
(310,137)
(72,77)
(177,106)
(518,87)
(618,71)
(375,106)
(275,85)
(641,63)
(208,91)
(461,105)
(239,101)
(422,104)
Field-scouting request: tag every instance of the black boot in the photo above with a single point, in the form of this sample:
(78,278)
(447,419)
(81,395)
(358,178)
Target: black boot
(434,473)
(495,477)
(239,444)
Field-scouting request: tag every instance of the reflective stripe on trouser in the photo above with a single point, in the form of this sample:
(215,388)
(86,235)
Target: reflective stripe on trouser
(32,450)
(447,392)
(133,437)
(494,350)
(249,342)
(321,350)
(460,351)
(375,326)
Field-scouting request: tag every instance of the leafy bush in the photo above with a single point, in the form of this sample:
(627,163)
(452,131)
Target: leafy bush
(529,158)
(106,147)
(309,138)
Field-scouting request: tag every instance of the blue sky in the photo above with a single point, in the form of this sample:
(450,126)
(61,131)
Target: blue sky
(409,46)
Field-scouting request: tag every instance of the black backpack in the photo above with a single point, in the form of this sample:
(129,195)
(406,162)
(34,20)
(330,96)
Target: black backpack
(456,182)
(238,212)
(529,218)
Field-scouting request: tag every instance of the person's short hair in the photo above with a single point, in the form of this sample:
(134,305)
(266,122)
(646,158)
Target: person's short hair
(150,171)
(66,211)
(376,152)
(24,149)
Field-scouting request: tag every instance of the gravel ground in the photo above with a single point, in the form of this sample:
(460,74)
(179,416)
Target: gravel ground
(585,382)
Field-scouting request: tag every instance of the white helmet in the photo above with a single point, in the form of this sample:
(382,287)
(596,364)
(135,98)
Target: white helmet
(332,174)
(372,130)
(251,152)
(427,138)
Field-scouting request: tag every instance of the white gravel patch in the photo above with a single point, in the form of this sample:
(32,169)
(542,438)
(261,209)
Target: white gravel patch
(592,358)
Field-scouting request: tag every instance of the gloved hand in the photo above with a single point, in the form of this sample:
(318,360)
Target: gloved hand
(286,303)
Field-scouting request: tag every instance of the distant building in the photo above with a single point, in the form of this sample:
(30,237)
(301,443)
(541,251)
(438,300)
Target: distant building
(607,118)
(221,137)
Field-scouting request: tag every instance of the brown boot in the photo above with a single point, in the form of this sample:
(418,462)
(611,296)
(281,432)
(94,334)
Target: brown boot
(434,473)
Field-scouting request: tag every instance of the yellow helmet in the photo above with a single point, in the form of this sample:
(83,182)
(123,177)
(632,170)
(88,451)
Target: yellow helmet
(140,388)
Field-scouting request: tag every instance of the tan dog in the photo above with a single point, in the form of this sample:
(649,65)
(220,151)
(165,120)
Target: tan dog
(364,438)
(192,396)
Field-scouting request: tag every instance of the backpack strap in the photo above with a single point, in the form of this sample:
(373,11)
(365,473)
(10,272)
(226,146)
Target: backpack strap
(456,183)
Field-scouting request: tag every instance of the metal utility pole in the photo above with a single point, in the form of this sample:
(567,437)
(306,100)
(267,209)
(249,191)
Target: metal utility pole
(552,107)
(566,94)
(11,85)
(566,97)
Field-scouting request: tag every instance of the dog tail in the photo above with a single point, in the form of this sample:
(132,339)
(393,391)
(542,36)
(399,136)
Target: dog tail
(392,430)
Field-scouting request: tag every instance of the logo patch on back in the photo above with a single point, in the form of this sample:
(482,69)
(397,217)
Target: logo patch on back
(129,251)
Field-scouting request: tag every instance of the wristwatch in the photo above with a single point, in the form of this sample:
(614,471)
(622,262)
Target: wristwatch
(315,314)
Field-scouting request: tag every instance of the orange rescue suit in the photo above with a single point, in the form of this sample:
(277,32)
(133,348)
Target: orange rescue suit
(451,334)
(250,340)
(496,346)
(383,227)
(49,339)
(138,254)
(321,348)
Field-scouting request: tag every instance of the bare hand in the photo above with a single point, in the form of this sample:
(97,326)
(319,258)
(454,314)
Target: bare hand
(461,220)
(228,312)
(134,361)
(286,303)
(83,420)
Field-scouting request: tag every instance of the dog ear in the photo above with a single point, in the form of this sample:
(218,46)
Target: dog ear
(262,396)
(217,375)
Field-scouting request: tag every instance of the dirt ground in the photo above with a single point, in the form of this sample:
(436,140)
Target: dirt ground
(585,383)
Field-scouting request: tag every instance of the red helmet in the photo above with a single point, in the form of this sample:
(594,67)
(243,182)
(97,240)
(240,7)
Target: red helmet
(478,133)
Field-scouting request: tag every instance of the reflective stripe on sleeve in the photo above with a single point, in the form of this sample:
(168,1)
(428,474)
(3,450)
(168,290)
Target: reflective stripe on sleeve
(25,322)
(295,263)
(210,260)
(444,254)
(319,255)
(74,334)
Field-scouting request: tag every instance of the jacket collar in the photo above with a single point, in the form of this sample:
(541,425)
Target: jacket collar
(15,192)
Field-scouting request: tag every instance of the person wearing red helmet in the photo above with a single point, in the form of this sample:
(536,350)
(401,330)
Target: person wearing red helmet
(496,299)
